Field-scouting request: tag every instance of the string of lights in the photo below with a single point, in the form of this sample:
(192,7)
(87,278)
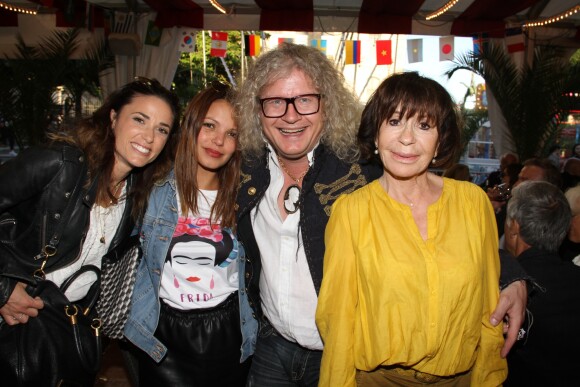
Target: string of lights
(217,6)
(13,8)
(442,10)
(553,19)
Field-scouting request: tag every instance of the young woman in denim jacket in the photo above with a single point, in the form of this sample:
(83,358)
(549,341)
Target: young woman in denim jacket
(185,315)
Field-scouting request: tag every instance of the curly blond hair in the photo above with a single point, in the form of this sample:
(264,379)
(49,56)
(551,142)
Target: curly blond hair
(341,110)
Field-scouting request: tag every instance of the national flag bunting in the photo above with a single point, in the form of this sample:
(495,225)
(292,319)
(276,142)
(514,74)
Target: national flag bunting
(153,36)
(514,40)
(285,40)
(479,43)
(320,44)
(252,45)
(446,49)
(219,41)
(384,52)
(352,48)
(187,36)
(415,50)
(123,22)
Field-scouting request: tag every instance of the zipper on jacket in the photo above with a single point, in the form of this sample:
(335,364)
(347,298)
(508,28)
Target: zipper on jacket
(42,237)
(79,253)
(7,221)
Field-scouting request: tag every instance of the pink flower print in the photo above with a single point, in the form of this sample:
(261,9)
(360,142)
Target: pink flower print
(202,222)
(198,226)
(181,227)
(205,232)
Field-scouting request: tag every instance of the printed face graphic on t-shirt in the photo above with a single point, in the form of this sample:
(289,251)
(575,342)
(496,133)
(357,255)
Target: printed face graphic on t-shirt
(198,260)
(188,256)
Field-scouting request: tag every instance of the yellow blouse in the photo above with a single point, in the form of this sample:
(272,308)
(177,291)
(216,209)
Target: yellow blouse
(390,298)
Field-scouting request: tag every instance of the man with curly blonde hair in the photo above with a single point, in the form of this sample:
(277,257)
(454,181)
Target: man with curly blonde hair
(298,125)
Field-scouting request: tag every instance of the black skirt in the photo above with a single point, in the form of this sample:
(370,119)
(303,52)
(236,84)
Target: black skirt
(203,348)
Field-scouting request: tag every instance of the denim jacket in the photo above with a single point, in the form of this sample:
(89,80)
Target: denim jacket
(157,230)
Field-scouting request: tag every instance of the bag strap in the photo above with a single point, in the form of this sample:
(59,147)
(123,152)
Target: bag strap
(50,249)
(72,311)
(93,293)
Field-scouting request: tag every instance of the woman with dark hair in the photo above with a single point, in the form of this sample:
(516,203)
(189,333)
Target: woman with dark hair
(184,315)
(100,173)
(411,268)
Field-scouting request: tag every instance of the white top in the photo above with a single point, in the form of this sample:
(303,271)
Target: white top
(288,296)
(103,224)
(201,266)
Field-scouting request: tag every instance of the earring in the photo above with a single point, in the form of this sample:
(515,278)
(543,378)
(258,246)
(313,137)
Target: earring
(376,151)
(434,160)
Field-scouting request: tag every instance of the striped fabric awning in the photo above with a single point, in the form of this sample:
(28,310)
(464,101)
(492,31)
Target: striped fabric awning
(465,18)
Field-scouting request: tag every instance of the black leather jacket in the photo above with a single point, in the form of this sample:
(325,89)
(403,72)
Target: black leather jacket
(35,189)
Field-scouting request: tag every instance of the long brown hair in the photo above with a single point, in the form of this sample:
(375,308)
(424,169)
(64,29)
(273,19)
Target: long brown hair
(95,137)
(186,159)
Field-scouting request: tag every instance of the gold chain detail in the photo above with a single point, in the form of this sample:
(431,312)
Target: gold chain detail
(296,179)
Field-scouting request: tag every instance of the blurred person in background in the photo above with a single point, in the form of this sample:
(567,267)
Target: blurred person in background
(494,178)
(458,172)
(547,354)
(570,247)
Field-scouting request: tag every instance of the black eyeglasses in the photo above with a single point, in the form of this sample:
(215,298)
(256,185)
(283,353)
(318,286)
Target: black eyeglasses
(304,104)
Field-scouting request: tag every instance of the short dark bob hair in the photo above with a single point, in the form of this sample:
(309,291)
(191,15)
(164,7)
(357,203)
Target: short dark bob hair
(415,95)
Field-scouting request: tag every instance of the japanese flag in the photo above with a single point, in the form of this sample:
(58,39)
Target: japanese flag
(446,50)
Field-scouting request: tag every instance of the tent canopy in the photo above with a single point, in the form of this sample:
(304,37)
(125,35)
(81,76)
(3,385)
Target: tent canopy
(465,18)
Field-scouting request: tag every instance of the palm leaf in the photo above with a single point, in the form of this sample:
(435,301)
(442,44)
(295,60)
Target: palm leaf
(529,97)
(33,76)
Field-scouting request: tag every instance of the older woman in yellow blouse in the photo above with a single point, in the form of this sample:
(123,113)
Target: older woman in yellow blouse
(411,268)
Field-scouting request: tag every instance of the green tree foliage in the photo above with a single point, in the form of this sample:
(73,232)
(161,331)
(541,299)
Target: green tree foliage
(472,122)
(575,58)
(529,97)
(190,77)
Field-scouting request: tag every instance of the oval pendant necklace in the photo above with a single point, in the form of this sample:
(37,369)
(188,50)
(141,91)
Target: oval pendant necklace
(292,194)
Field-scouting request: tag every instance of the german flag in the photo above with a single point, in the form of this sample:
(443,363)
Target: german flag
(252,45)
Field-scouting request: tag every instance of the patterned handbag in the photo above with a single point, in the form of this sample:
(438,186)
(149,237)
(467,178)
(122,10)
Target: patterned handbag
(118,274)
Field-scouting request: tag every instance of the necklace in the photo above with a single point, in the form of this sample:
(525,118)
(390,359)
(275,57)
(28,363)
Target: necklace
(292,194)
(117,190)
(385,185)
(104,212)
(296,179)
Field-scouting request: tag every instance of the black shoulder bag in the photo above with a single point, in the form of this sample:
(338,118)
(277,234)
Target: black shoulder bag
(61,346)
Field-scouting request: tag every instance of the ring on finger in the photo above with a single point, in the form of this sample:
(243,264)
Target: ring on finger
(21,316)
